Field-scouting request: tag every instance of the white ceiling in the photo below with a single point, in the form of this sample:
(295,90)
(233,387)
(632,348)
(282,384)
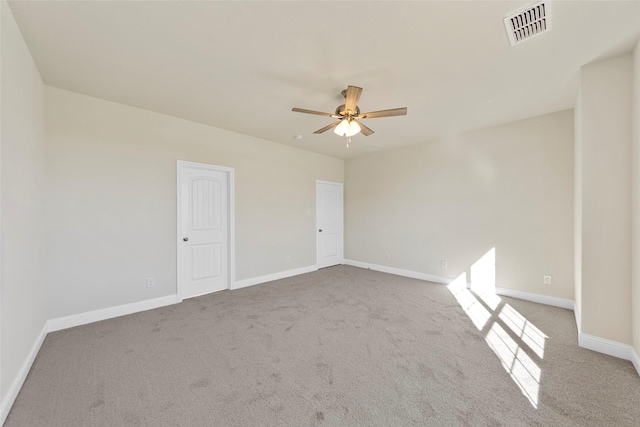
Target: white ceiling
(242,66)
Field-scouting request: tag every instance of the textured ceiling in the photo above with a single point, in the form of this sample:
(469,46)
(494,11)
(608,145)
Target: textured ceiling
(242,66)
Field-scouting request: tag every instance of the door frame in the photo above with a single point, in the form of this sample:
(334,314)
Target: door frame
(341,219)
(231,253)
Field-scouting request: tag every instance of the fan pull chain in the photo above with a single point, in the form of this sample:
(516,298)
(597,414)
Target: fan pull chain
(348,141)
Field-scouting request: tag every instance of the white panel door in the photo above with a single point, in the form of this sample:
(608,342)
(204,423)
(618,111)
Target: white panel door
(204,231)
(329,221)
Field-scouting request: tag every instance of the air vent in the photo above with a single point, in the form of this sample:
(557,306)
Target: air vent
(530,22)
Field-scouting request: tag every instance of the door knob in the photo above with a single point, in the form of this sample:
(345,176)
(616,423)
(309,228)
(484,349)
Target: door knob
(186,239)
(320,230)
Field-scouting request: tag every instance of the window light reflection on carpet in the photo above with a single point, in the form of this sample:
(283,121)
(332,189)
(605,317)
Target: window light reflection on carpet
(500,323)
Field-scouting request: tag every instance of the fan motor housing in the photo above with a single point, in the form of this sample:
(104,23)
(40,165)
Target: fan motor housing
(343,112)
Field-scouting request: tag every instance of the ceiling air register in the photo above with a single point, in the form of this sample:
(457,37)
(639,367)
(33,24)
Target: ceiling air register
(529,22)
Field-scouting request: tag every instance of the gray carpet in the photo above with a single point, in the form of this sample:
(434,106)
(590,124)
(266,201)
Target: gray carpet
(339,347)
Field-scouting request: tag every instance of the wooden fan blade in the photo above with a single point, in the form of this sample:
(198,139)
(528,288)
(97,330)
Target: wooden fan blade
(319,113)
(383,113)
(352,98)
(365,130)
(326,128)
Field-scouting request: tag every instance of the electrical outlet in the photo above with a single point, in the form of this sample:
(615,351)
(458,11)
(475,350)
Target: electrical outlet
(151,282)
(389,257)
(443,263)
(288,258)
(546,279)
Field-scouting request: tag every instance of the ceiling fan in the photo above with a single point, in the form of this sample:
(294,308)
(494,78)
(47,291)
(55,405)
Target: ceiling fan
(349,113)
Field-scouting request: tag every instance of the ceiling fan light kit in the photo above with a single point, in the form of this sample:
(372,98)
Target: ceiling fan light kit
(347,128)
(347,125)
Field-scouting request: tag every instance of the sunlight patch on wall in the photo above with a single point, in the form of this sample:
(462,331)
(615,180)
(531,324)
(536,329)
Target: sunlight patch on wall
(483,279)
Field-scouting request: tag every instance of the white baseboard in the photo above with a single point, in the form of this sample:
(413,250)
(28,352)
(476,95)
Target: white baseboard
(576,315)
(635,360)
(275,276)
(400,272)
(15,387)
(605,346)
(109,313)
(537,298)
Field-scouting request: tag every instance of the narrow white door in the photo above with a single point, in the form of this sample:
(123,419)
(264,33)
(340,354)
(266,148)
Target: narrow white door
(203,230)
(329,222)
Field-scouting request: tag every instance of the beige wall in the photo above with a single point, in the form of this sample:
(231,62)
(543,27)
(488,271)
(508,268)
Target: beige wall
(605,149)
(23,310)
(111,200)
(635,309)
(508,187)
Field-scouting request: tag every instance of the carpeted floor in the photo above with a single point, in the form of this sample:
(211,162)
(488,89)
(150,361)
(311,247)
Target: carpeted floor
(342,346)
